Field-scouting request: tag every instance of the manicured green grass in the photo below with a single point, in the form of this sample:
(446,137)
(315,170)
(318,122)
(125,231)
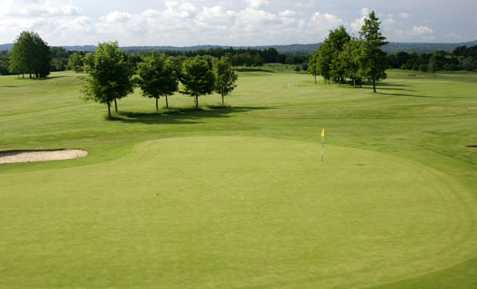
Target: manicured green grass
(238,197)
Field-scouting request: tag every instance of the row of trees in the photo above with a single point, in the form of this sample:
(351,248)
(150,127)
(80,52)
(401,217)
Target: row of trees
(111,76)
(462,58)
(342,58)
(30,55)
(238,56)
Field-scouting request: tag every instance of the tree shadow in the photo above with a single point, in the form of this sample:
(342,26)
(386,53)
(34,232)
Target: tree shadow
(182,115)
(402,94)
(389,88)
(391,84)
(55,77)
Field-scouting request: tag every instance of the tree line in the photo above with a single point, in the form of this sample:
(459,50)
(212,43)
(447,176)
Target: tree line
(30,48)
(462,58)
(356,60)
(112,76)
(246,57)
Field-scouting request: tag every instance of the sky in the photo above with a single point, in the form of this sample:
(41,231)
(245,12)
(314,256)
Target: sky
(238,22)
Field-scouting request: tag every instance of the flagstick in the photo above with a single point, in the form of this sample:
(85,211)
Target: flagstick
(322,151)
(323,145)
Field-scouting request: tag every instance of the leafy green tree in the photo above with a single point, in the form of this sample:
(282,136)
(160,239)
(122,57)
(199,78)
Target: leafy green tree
(30,55)
(329,52)
(4,64)
(338,39)
(42,57)
(313,67)
(110,75)
(225,78)
(59,58)
(197,77)
(19,59)
(374,58)
(157,77)
(350,60)
(88,61)
(76,62)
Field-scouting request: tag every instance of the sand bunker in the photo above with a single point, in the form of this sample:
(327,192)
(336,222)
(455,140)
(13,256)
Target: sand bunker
(10,157)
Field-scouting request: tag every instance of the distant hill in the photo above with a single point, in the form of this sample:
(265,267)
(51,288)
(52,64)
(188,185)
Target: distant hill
(392,47)
(5,47)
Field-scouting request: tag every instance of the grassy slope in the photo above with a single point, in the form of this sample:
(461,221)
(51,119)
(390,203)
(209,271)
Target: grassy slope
(417,119)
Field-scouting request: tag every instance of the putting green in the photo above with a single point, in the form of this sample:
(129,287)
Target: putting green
(231,212)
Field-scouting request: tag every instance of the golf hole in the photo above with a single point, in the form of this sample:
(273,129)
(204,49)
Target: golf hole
(30,156)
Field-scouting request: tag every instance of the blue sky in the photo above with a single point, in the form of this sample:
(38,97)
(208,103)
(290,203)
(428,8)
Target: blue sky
(239,22)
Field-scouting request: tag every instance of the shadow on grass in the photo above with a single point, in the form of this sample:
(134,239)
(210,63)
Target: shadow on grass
(391,88)
(182,115)
(402,94)
(56,77)
(391,84)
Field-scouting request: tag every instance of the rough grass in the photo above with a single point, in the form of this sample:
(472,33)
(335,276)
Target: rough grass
(236,197)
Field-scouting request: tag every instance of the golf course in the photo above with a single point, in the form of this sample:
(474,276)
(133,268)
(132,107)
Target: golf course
(238,196)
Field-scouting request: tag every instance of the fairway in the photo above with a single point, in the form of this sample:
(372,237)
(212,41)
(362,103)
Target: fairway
(238,197)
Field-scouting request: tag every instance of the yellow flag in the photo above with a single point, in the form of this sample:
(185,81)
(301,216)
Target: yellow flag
(323,133)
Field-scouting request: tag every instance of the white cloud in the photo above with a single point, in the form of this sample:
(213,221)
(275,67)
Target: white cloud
(357,23)
(365,12)
(258,3)
(189,22)
(422,30)
(404,15)
(287,13)
(37,8)
(325,21)
(116,17)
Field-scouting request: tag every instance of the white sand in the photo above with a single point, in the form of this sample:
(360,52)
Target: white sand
(40,156)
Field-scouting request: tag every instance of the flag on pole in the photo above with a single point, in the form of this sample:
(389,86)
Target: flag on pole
(323,133)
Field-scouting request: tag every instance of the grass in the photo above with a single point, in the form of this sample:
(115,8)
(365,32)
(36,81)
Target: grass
(237,197)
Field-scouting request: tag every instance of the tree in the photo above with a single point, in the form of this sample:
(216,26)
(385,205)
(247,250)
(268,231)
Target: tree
(197,77)
(20,57)
(225,78)
(110,76)
(374,58)
(350,59)
(313,68)
(4,63)
(328,54)
(30,55)
(157,77)
(59,58)
(88,62)
(76,62)
(42,57)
